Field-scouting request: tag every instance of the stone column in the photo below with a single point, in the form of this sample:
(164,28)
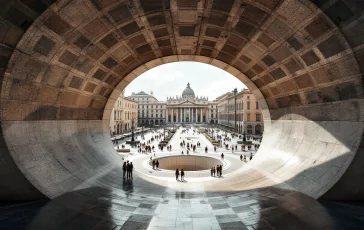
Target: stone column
(196,114)
(189,114)
(177,115)
(172,116)
(201,114)
(180,113)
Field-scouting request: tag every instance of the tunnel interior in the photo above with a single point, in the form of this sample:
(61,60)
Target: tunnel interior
(64,63)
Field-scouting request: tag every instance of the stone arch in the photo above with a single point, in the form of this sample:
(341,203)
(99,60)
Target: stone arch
(63,73)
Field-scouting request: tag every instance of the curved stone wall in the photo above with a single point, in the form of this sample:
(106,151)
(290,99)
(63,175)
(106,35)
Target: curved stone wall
(63,65)
(187,162)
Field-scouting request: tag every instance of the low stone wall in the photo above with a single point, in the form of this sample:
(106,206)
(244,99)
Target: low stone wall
(187,162)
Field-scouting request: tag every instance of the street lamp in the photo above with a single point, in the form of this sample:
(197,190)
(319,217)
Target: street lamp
(132,129)
(235,92)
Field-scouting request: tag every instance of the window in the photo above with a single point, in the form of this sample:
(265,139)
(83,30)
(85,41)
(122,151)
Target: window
(248,97)
(248,105)
(114,115)
(248,117)
(257,117)
(256,105)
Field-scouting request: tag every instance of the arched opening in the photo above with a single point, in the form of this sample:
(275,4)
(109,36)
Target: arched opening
(258,129)
(64,75)
(249,129)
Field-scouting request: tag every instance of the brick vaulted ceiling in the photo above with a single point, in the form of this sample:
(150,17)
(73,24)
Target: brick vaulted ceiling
(71,57)
(63,62)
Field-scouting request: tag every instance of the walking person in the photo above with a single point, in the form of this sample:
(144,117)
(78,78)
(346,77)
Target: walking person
(217,170)
(177,174)
(157,164)
(124,169)
(212,171)
(182,175)
(220,170)
(153,163)
(241,157)
(222,156)
(244,158)
(251,156)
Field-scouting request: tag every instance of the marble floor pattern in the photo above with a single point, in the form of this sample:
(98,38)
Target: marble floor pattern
(112,203)
(109,202)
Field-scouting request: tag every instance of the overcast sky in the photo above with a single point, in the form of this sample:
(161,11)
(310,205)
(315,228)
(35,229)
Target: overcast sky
(172,78)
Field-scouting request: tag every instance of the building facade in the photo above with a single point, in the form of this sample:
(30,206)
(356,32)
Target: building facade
(186,108)
(122,115)
(249,118)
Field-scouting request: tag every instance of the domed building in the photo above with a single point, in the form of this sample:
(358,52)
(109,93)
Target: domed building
(188,93)
(179,109)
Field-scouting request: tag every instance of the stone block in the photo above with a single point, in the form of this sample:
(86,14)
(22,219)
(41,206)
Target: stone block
(120,13)
(265,40)
(303,81)
(68,98)
(331,46)
(47,94)
(57,25)
(310,58)
(55,76)
(90,87)
(109,40)
(132,28)
(44,45)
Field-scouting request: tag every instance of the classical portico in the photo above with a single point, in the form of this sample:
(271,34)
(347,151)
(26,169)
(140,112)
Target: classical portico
(190,109)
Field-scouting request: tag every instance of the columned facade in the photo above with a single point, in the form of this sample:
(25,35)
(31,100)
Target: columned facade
(190,109)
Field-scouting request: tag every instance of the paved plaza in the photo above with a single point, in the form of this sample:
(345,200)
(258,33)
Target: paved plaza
(156,201)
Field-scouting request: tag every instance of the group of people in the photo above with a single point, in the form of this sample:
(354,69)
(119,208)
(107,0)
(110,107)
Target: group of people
(241,157)
(178,174)
(128,170)
(155,164)
(216,171)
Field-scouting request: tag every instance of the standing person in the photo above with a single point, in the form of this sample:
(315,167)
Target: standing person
(157,164)
(206,149)
(212,171)
(244,158)
(131,169)
(124,169)
(251,156)
(220,170)
(217,170)
(241,157)
(222,156)
(153,163)
(236,147)
(127,170)
(182,175)
(177,174)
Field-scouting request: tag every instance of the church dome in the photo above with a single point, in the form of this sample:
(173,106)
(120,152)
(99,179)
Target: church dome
(188,91)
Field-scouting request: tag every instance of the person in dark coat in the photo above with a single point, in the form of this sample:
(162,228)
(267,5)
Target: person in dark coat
(182,175)
(131,169)
(124,169)
(127,170)
(157,164)
(177,174)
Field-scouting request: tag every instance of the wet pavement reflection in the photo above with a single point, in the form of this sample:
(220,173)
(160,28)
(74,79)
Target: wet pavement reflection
(113,203)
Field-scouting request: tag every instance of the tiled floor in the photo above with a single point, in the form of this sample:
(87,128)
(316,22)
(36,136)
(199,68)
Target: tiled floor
(109,202)
(139,204)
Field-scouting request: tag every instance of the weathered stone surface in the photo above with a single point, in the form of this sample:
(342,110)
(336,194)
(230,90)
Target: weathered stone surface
(315,113)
